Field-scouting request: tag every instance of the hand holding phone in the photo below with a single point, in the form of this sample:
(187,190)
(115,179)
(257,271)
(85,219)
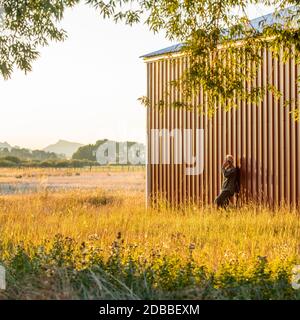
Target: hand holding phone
(225,163)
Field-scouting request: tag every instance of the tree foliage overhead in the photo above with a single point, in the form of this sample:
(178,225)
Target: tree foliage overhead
(25,26)
(202,25)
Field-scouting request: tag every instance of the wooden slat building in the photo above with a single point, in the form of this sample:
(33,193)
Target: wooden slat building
(264,139)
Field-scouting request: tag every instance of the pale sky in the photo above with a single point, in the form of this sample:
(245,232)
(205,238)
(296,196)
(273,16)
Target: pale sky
(83,89)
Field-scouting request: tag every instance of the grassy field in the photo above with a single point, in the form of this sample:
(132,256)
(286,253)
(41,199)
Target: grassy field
(20,180)
(99,243)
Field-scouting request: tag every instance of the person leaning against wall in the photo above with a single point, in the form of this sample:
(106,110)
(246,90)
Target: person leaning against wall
(230,184)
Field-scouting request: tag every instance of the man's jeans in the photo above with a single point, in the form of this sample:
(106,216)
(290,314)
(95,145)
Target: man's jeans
(223,199)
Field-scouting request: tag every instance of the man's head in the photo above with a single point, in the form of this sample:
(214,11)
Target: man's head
(229,159)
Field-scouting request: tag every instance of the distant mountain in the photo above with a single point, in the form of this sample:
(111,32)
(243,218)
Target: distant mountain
(5,145)
(64,147)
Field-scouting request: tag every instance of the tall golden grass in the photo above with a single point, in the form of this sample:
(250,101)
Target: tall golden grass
(212,235)
(103,243)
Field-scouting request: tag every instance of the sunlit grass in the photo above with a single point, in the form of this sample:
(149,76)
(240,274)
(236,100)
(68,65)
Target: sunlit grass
(246,233)
(91,236)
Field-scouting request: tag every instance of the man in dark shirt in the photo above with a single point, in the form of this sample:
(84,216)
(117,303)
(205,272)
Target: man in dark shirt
(229,185)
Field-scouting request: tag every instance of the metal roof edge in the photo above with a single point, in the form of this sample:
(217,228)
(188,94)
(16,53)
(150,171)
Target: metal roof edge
(257,23)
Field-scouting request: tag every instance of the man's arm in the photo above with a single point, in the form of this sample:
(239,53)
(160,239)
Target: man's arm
(228,172)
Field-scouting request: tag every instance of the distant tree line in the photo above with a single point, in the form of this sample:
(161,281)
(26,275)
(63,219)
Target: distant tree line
(26,154)
(84,157)
(11,161)
(21,157)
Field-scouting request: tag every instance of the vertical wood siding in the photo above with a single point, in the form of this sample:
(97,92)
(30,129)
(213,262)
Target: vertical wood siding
(264,139)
